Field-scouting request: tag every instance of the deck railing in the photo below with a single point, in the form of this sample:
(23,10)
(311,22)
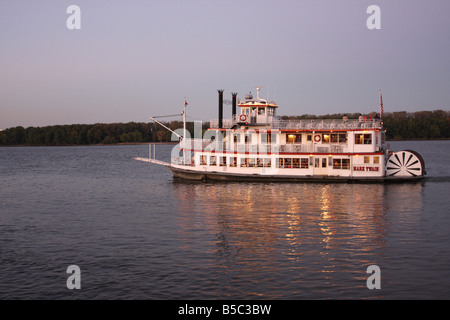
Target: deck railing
(307,124)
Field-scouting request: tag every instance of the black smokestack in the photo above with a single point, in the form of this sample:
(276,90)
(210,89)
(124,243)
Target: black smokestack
(233,110)
(220,91)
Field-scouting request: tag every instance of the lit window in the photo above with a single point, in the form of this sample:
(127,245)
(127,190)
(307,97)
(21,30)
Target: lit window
(363,138)
(337,163)
(366,159)
(376,160)
(293,138)
(341,164)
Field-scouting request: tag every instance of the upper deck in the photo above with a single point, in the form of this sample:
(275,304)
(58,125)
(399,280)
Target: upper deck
(273,122)
(258,113)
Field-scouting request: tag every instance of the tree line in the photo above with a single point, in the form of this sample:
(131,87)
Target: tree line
(399,125)
(86,134)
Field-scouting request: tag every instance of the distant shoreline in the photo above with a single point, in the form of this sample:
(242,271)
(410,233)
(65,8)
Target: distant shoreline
(91,145)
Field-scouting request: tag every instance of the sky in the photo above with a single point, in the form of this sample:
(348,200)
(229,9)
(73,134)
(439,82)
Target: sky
(139,58)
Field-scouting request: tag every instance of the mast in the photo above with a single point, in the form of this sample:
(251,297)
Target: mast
(184,119)
(381,106)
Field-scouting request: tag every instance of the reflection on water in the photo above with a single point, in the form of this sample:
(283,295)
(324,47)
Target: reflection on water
(301,238)
(136,234)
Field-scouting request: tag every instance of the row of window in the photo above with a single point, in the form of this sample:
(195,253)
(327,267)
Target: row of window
(296,163)
(365,138)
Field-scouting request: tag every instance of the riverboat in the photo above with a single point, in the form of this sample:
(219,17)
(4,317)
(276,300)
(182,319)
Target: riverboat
(257,145)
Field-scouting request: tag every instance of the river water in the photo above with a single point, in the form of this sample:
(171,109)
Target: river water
(135,233)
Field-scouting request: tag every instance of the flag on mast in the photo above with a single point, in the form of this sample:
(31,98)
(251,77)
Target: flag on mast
(381,105)
(185,102)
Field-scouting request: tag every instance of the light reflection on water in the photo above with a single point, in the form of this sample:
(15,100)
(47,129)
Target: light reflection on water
(311,238)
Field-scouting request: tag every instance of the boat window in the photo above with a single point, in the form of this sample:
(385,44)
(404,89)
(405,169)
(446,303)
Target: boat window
(309,137)
(222,161)
(324,162)
(261,111)
(376,160)
(341,164)
(325,138)
(337,163)
(279,162)
(363,138)
(244,162)
(293,138)
(248,138)
(346,164)
(304,163)
(259,162)
(366,159)
(287,163)
(251,162)
(338,138)
(212,161)
(236,138)
(266,138)
(203,160)
(334,138)
(267,162)
(233,161)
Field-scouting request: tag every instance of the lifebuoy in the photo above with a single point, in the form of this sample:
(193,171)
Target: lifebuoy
(242,117)
(317,138)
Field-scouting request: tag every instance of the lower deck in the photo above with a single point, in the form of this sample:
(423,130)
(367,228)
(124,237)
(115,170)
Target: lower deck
(297,165)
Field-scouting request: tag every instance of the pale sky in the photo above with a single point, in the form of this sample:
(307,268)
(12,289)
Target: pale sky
(139,58)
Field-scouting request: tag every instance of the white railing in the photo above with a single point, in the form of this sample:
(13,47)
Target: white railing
(310,124)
